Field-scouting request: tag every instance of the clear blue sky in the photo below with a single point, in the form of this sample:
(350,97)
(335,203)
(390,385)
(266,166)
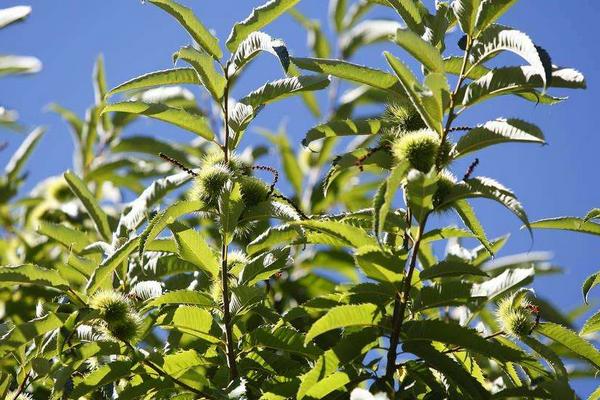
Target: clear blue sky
(554,180)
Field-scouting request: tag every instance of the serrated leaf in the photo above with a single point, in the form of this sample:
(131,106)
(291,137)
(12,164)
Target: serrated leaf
(348,71)
(175,76)
(283,338)
(507,281)
(489,11)
(205,67)
(422,98)
(90,204)
(448,367)
(192,246)
(277,90)
(456,335)
(110,264)
(467,215)
(567,224)
(100,376)
(591,325)
(23,333)
(190,22)
(21,155)
(367,32)
(164,218)
(382,203)
(254,44)
(490,189)
(410,13)
(379,265)
(589,283)
(264,266)
(260,17)
(193,320)
(500,38)
(183,296)
(346,127)
(466,14)
(195,123)
(450,268)
(571,341)
(345,316)
(420,189)
(498,131)
(33,275)
(421,50)
(70,238)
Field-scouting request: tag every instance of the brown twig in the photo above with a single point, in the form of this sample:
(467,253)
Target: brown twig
(275,176)
(471,169)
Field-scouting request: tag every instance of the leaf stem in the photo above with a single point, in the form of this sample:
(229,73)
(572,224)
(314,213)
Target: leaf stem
(22,386)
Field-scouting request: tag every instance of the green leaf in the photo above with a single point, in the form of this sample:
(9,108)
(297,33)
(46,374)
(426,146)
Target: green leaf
(283,338)
(260,17)
(595,395)
(33,275)
(468,385)
(410,13)
(489,11)
(382,203)
(450,268)
(101,376)
(570,340)
(277,90)
(354,236)
(500,38)
(567,224)
(547,353)
(348,71)
(367,32)
(70,238)
(591,325)
(14,14)
(421,50)
(183,296)
(333,382)
(178,117)
(164,218)
(21,155)
(205,67)
(499,131)
(175,76)
(264,266)
(289,159)
(490,189)
(90,203)
(507,281)
(337,10)
(589,283)
(453,334)
(420,189)
(189,319)
(346,127)
(27,331)
(190,22)
(345,316)
(466,14)
(467,215)
(254,44)
(192,246)
(379,265)
(110,264)
(70,117)
(11,65)
(592,214)
(422,98)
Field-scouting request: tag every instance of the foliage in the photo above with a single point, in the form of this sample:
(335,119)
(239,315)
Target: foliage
(321,279)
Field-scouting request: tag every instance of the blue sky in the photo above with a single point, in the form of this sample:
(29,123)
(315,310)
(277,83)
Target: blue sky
(554,180)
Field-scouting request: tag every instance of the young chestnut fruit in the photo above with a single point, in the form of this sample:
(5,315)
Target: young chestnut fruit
(210,183)
(421,148)
(118,318)
(516,314)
